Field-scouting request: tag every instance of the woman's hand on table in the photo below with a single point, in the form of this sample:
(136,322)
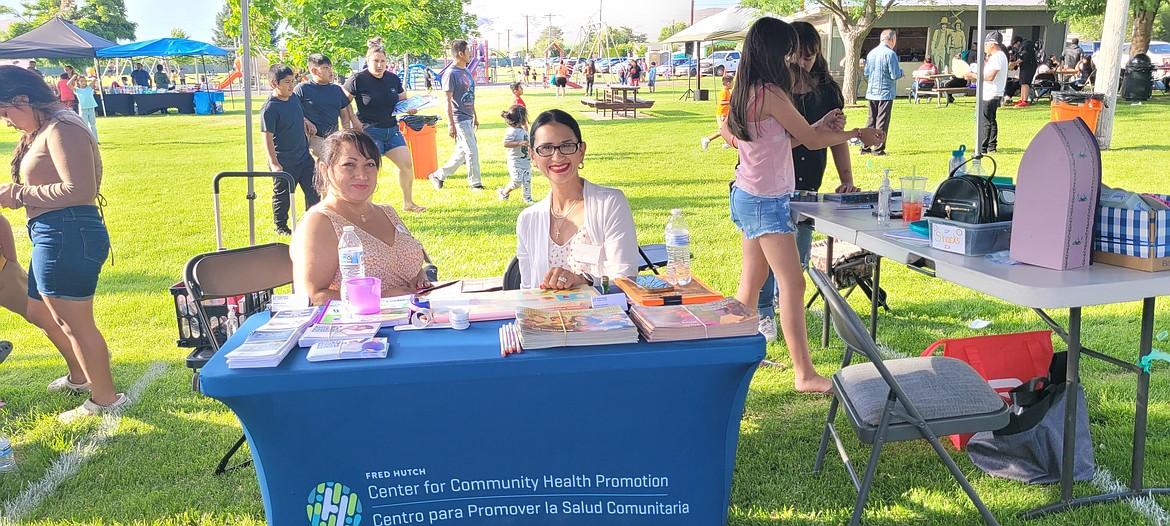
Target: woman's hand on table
(558,278)
(846,189)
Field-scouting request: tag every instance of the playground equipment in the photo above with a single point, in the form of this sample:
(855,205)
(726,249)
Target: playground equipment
(416,77)
(547,65)
(478,65)
(229,80)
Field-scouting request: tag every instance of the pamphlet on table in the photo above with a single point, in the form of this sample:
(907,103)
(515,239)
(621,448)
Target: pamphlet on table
(543,328)
(349,349)
(719,319)
(501,305)
(394,311)
(332,332)
(270,343)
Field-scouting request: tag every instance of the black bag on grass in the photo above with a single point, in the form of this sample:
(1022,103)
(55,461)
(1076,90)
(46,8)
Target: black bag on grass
(1029,448)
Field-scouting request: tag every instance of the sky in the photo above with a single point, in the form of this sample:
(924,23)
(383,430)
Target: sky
(155,18)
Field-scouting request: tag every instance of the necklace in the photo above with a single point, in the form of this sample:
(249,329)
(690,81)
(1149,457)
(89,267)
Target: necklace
(560,218)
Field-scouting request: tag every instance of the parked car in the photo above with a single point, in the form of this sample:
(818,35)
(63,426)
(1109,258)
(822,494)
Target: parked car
(1090,47)
(536,63)
(720,62)
(1159,53)
(686,69)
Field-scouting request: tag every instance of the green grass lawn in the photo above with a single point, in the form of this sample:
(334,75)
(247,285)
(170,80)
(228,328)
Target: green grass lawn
(155,466)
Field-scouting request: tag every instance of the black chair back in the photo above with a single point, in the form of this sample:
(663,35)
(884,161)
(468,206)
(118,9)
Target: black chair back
(226,273)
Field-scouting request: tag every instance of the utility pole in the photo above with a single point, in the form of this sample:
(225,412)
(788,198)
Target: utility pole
(527,52)
(692,12)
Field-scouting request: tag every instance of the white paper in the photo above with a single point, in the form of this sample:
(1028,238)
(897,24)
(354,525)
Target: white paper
(978,324)
(617,299)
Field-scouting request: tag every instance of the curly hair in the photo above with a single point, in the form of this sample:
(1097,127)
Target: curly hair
(16,82)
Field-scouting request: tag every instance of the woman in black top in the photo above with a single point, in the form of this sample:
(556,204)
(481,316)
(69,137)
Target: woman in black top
(377,92)
(814,93)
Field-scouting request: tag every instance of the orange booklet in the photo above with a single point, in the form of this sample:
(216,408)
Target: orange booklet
(694,292)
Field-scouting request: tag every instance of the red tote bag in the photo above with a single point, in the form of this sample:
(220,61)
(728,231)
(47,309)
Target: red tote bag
(1004,360)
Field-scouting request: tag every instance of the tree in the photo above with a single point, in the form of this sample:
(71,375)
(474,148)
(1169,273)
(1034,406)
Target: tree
(178,32)
(104,18)
(626,35)
(1144,13)
(340,28)
(667,31)
(219,35)
(550,34)
(855,19)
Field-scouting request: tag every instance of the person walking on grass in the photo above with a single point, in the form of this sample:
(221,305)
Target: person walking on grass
(764,125)
(883,72)
(377,91)
(282,120)
(57,177)
(519,162)
(721,110)
(517,94)
(590,71)
(462,121)
(651,75)
(324,104)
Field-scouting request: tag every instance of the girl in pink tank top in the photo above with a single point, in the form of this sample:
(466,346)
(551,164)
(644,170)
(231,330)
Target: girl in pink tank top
(765,126)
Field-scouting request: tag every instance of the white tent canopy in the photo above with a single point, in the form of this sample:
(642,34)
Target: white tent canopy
(729,24)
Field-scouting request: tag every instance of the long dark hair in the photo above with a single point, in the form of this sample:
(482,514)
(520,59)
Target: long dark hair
(16,81)
(818,78)
(766,49)
(331,150)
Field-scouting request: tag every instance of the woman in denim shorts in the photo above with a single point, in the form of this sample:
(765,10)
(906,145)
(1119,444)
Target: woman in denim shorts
(764,125)
(57,173)
(377,91)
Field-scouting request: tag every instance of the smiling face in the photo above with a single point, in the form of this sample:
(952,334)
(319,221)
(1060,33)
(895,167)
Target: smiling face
(352,177)
(558,167)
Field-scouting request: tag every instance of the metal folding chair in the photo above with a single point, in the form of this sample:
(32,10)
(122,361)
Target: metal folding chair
(230,273)
(903,399)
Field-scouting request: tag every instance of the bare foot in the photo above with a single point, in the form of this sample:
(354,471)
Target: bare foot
(815,385)
(411,207)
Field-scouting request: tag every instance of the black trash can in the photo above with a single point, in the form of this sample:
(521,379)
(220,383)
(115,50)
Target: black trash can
(1139,78)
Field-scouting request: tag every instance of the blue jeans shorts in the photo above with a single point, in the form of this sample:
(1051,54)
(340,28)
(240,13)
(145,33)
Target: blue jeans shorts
(757,216)
(69,247)
(386,138)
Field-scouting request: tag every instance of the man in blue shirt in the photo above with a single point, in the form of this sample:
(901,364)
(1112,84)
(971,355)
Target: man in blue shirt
(140,76)
(883,72)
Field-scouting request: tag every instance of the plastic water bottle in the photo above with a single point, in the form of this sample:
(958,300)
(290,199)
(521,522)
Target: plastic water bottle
(976,168)
(232,324)
(349,257)
(956,162)
(883,204)
(7,455)
(678,249)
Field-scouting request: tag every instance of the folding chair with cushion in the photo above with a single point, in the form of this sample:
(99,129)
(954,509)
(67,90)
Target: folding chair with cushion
(229,273)
(903,399)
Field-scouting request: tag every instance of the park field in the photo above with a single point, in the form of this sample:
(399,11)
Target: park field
(153,465)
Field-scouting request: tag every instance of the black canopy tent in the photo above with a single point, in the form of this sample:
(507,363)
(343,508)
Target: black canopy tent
(56,38)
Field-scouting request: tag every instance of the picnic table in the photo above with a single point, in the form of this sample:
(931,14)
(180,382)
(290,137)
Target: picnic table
(619,98)
(939,92)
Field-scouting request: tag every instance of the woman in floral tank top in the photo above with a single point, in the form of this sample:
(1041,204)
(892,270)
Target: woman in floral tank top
(347,175)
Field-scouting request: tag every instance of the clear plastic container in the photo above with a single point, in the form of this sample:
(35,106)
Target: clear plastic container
(969,238)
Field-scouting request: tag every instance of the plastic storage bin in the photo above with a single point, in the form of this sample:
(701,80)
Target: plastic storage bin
(968,238)
(1068,105)
(191,331)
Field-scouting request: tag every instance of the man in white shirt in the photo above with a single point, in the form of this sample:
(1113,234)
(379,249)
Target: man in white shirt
(995,68)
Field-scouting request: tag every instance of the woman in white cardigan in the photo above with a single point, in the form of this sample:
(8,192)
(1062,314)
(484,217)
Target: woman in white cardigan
(580,231)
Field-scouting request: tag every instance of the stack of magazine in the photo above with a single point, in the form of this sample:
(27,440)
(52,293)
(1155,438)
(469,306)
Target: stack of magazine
(719,319)
(543,328)
(270,343)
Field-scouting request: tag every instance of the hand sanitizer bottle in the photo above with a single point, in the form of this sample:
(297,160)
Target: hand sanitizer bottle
(883,204)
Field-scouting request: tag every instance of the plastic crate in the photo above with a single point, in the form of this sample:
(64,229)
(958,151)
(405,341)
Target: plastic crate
(191,331)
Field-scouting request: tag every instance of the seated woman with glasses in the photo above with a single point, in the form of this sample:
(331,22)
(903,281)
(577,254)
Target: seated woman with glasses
(581,231)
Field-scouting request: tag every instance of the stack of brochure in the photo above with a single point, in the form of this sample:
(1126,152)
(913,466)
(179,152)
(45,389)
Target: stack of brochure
(719,319)
(349,349)
(543,328)
(270,343)
(394,311)
(335,332)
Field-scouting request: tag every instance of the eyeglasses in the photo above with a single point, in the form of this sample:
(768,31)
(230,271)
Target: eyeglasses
(568,148)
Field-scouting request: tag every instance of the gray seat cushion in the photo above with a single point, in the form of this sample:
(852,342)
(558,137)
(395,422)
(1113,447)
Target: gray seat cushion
(939,387)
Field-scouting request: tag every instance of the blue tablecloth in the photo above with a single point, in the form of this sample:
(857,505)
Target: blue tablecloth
(205,102)
(445,431)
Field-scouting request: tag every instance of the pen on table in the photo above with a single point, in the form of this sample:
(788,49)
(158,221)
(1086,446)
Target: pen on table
(503,343)
(515,337)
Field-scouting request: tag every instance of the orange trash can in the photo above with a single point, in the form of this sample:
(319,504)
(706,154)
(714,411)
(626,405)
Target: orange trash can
(1067,106)
(424,153)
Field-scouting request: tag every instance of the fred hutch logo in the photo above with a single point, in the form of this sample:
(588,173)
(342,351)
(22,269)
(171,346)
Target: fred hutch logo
(333,504)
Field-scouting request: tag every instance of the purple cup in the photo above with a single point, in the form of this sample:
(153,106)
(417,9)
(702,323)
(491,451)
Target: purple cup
(364,295)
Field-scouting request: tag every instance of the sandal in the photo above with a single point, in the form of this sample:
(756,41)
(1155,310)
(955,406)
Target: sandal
(63,384)
(414,208)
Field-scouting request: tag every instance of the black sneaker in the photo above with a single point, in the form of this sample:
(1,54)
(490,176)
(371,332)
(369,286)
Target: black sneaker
(865,151)
(282,230)
(478,187)
(880,154)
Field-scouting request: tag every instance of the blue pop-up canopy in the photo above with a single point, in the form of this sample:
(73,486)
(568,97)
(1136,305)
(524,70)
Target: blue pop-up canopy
(163,47)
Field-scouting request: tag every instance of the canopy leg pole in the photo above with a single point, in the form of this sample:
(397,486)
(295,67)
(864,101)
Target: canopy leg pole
(98,72)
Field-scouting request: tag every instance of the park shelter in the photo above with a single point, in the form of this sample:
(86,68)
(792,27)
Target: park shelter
(56,38)
(730,24)
(941,29)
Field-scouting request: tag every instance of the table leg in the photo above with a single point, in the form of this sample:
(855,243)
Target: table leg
(1073,373)
(1137,467)
(875,298)
(829,272)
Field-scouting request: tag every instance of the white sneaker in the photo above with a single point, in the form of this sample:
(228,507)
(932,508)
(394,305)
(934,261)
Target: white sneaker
(89,408)
(63,384)
(503,196)
(436,181)
(768,327)
(726,146)
(704,142)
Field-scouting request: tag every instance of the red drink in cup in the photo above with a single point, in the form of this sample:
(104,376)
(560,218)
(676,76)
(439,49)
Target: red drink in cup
(911,211)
